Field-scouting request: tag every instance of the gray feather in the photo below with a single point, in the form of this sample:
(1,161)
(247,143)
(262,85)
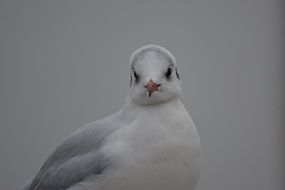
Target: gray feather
(76,159)
(160,53)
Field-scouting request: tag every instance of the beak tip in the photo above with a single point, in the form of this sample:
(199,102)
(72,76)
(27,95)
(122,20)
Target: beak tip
(151,87)
(149,93)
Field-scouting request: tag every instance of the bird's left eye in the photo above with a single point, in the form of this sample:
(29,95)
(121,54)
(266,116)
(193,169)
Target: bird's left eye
(168,73)
(136,76)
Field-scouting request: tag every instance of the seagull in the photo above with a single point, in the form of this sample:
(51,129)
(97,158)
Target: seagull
(151,143)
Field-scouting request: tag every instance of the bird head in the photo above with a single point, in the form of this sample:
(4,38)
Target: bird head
(154,77)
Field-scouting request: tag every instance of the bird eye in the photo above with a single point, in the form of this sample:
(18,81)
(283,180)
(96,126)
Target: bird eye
(168,73)
(136,76)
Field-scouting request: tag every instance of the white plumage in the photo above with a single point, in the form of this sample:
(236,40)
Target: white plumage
(150,144)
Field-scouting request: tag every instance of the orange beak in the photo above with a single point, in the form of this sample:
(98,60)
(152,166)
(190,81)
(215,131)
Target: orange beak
(151,87)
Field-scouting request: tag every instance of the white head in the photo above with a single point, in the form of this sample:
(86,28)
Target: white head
(154,77)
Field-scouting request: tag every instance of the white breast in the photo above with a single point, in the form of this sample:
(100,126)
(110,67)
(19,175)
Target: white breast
(159,149)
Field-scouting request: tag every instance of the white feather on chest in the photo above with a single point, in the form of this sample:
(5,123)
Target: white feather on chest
(159,146)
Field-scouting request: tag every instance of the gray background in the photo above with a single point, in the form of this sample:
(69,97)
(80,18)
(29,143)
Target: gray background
(65,64)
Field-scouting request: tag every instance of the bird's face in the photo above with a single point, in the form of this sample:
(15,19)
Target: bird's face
(154,77)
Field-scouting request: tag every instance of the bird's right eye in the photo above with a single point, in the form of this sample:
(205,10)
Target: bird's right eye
(136,76)
(168,73)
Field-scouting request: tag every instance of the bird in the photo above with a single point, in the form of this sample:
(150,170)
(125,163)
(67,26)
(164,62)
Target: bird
(151,143)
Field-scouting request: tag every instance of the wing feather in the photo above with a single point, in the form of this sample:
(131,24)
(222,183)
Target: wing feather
(77,158)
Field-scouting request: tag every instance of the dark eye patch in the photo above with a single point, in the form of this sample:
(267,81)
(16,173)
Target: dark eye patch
(168,73)
(178,76)
(137,78)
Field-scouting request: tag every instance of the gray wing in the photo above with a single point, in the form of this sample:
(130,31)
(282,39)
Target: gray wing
(77,158)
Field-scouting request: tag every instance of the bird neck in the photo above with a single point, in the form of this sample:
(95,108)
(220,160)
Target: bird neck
(131,110)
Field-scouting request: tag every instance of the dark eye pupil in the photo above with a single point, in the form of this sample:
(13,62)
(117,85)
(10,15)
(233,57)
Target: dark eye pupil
(168,73)
(136,76)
